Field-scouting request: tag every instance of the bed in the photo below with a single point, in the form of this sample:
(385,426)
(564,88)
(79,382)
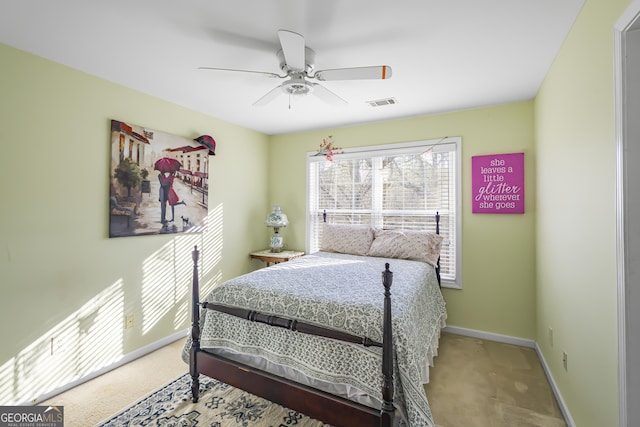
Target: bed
(321,335)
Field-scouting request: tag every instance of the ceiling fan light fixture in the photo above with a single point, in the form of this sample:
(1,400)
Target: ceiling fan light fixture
(296,85)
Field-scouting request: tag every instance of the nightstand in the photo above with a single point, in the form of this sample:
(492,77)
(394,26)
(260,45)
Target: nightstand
(269,257)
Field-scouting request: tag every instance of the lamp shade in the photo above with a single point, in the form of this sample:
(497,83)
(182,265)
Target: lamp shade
(276,218)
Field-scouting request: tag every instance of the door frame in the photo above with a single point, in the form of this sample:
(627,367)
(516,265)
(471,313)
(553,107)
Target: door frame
(629,20)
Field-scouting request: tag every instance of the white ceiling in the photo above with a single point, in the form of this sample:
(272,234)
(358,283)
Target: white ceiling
(445,55)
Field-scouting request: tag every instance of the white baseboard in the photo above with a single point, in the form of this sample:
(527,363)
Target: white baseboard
(506,339)
(129,357)
(523,343)
(563,407)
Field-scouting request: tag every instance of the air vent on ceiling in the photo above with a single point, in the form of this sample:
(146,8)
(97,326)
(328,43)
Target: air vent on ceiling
(381,102)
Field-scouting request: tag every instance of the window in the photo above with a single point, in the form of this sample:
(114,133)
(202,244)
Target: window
(390,186)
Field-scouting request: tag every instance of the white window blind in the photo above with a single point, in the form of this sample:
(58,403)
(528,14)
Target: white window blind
(390,186)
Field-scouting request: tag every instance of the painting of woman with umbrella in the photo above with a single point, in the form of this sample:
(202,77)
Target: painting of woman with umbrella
(135,151)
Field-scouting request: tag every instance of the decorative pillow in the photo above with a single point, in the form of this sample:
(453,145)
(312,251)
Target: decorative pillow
(417,245)
(346,238)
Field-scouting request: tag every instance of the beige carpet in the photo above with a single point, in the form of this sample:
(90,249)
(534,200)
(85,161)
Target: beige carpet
(475,383)
(479,383)
(94,401)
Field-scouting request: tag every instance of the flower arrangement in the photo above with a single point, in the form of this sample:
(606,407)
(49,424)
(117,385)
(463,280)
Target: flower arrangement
(328,149)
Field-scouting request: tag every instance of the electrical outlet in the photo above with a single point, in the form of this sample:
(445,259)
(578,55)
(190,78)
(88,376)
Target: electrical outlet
(56,345)
(551,337)
(564,360)
(128,321)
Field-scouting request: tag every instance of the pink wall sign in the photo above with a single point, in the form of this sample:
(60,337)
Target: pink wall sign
(498,183)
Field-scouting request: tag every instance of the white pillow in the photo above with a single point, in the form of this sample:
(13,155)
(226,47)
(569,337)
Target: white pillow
(346,238)
(417,245)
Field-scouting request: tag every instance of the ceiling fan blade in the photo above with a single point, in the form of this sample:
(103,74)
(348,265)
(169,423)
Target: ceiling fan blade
(326,95)
(293,49)
(379,72)
(268,97)
(266,73)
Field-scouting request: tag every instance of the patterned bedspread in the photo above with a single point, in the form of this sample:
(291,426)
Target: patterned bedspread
(343,292)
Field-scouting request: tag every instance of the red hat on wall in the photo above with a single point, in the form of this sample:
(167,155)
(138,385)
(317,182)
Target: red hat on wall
(208,142)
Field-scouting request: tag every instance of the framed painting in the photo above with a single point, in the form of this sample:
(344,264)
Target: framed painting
(159,182)
(497,184)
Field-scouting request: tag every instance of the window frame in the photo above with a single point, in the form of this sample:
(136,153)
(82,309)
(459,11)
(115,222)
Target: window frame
(399,148)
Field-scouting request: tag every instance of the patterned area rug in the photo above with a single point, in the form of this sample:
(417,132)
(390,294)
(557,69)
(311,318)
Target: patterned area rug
(220,405)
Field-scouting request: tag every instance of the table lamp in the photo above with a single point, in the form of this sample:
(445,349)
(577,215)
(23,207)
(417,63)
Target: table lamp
(276,219)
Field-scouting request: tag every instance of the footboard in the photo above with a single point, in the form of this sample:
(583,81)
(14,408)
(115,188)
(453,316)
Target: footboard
(314,403)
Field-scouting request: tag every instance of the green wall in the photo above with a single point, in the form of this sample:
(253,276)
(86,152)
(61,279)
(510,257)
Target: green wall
(576,221)
(498,251)
(61,276)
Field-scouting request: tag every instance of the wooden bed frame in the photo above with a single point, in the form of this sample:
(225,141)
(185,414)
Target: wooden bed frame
(317,404)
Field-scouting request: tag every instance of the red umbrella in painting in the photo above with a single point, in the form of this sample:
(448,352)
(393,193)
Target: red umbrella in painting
(167,164)
(208,142)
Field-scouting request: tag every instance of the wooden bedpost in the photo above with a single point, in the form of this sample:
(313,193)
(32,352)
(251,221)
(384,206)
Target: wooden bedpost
(387,409)
(438,263)
(195,329)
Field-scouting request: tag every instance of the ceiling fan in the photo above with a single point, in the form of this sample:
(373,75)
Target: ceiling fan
(297,62)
